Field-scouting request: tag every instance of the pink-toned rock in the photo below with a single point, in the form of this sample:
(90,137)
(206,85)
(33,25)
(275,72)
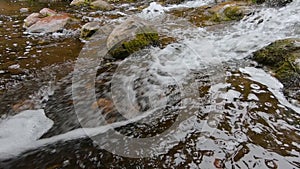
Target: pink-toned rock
(47,12)
(49,24)
(32,19)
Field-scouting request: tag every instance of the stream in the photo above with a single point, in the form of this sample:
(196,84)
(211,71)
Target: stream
(199,102)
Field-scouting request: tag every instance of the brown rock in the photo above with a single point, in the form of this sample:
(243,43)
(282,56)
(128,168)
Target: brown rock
(218,163)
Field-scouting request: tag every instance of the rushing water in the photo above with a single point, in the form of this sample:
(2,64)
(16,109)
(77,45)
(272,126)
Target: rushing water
(198,103)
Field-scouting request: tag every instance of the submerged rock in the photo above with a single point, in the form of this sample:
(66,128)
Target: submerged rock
(131,36)
(282,57)
(89,29)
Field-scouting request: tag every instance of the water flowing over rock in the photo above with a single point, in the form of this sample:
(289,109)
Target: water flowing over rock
(278,3)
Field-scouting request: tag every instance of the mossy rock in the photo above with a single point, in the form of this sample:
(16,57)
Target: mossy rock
(141,40)
(131,36)
(213,14)
(282,57)
(278,52)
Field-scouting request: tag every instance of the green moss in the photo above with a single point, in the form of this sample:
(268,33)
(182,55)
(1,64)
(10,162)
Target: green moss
(275,53)
(258,1)
(140,41)
(216,17)
(233,13)
(280,57)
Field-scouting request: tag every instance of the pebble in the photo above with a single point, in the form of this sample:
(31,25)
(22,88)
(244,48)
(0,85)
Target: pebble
(24,10)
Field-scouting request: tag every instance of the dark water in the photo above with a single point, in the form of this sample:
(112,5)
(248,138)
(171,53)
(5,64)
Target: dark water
(248,124)
(30,61)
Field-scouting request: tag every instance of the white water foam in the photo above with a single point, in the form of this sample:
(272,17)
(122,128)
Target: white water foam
(22,130)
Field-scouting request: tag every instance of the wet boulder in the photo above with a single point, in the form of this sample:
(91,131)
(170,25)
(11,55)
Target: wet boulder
(131,36)
(282,57)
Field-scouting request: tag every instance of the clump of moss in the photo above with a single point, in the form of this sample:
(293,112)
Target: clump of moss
(277,52)
(216,17)
(280,56)
(127,47)
(233,13)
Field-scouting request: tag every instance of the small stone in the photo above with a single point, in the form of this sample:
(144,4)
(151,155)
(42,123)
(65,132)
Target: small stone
(218,163)
(102,5)
(24,10)
(78,2)
(271,164)
(47,12)
(89,29)
(31,19)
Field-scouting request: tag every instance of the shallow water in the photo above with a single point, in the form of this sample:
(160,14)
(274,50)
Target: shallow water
(198,103)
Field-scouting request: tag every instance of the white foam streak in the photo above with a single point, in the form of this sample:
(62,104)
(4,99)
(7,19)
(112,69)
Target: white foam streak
(272,83)
(21,132)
